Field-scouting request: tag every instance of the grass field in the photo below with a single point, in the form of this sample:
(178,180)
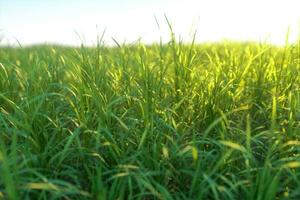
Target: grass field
(172,121)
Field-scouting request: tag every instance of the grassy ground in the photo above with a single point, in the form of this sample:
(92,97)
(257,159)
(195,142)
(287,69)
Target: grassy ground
(173,121)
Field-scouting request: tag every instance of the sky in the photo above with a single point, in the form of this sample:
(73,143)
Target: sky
(72,22)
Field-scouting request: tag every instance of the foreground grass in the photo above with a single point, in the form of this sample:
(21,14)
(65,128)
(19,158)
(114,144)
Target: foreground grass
(170,121)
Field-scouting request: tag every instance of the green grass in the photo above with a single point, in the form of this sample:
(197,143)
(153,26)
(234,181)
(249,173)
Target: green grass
(172,121)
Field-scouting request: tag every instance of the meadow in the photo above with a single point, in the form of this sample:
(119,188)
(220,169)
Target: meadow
(160,121)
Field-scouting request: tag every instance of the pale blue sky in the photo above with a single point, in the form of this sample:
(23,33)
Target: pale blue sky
(56,21)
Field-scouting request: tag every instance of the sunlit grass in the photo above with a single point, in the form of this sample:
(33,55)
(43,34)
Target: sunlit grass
(166,121)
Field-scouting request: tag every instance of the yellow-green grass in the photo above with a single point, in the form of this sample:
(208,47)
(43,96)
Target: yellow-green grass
(164,121)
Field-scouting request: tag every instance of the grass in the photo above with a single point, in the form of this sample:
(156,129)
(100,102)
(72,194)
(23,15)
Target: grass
(165,121)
